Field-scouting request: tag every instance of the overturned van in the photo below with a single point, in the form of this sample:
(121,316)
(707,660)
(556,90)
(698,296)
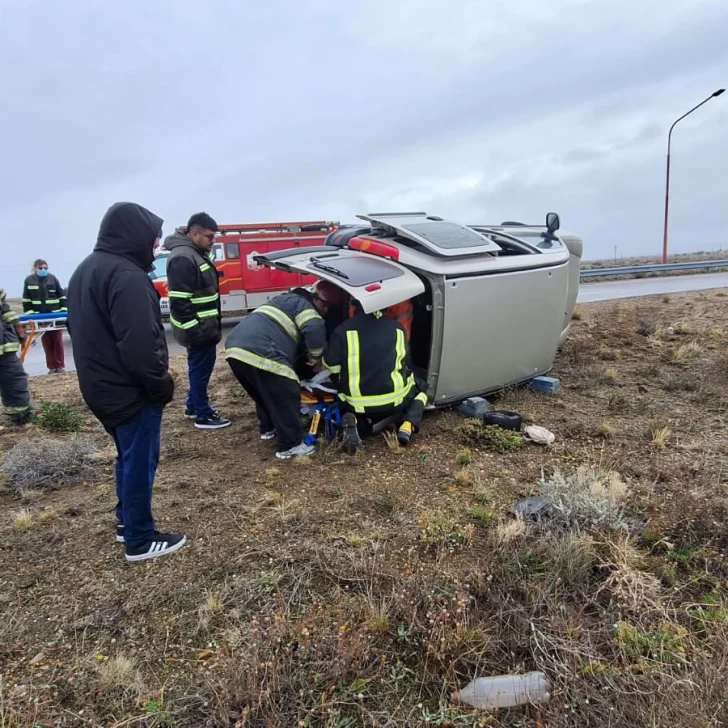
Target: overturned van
(492,303)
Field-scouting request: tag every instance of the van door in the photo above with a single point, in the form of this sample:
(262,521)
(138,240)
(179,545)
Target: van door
(375,282)
(499,329)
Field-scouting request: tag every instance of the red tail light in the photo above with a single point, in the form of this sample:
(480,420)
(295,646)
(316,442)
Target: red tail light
(375,247)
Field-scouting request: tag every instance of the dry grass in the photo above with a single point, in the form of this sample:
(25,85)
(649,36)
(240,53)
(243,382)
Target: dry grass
(661,436)
(22,519)
(361,591)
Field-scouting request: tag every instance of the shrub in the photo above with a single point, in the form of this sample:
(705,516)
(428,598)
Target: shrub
(491,437)
(49,464)
(59,417)
(585,500)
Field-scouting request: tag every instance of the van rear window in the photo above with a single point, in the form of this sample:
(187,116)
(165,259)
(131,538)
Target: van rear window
(447,235)
(355,271)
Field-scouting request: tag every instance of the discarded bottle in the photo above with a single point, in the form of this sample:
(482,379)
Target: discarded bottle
(504,691)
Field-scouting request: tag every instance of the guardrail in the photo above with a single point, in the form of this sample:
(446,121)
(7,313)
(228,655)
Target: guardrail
(655,269)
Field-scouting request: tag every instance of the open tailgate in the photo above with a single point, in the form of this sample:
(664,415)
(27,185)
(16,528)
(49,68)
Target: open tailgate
(373,281)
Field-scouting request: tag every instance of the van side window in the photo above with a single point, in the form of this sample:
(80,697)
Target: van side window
(233,251)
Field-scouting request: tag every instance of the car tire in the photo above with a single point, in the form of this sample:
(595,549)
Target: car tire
(504,419)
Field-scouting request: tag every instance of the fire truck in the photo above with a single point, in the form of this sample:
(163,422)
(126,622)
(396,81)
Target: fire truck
(245,285)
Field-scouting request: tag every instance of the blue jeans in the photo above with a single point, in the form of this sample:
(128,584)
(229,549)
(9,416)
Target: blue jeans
(200,362)
(137,446)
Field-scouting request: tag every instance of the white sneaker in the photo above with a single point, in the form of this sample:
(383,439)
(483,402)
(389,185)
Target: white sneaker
(270,435)
(295,452)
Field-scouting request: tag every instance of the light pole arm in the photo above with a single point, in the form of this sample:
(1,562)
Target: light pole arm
(667,172)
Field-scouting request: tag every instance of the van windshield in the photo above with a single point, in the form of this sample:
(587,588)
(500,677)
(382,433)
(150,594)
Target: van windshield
(159,268)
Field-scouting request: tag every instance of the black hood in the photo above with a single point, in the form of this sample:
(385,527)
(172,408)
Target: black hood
(130,230)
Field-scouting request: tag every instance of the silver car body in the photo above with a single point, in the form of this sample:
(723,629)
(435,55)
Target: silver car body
(492,304)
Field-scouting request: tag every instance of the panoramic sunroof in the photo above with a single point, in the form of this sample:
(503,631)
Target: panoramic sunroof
(359,271)
(448,235)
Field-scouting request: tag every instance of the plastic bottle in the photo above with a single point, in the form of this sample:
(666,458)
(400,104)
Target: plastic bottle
(504,691)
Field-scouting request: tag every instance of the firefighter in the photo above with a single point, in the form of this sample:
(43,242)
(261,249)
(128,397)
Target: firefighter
(13,379)
(194,302)
(368,356)
(43,293)
(262,351)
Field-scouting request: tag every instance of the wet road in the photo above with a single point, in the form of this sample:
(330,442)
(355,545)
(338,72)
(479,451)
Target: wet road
(610,290)
(605,291)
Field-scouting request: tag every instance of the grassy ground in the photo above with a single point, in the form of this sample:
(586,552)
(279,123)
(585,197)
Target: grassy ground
(652,260)
(345,592)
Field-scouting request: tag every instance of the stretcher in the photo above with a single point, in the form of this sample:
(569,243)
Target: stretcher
(37,324)
(320,402)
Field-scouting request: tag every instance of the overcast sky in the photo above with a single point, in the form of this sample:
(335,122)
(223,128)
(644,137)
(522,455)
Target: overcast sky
(321,109)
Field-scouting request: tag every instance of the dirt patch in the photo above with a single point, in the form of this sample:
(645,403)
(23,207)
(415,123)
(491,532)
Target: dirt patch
(361,591)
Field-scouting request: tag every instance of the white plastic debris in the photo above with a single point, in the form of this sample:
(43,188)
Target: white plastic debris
(505,691)
(540,435)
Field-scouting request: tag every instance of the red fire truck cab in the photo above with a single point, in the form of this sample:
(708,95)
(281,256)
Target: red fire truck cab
(245,285)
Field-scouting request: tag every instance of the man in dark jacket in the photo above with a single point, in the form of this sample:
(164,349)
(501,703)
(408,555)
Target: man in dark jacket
(194,302)
(122,361)
(368,357)
(263,349)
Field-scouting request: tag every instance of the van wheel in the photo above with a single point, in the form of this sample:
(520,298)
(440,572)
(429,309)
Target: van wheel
(504,419)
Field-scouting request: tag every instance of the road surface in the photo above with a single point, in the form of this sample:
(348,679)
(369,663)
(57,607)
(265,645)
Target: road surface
(610,290)
(588,292)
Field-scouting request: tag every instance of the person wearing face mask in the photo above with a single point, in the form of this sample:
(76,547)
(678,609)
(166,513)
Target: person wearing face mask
(194,305)
(43,293)
(122,361)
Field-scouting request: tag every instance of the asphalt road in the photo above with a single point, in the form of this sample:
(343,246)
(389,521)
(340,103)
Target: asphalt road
(588,292)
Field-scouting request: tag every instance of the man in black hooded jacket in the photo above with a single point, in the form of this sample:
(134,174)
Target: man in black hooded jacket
(121,357)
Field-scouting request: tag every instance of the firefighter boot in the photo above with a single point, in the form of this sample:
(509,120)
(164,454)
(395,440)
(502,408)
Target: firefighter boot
(352,441)
(404,434)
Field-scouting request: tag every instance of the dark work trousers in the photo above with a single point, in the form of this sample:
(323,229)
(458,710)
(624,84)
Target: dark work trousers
(53,346)
(14,388)
(277,402)
(411,410)
(200,363)
(137,446)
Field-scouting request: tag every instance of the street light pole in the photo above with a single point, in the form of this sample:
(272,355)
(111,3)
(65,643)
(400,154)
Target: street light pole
(667,176)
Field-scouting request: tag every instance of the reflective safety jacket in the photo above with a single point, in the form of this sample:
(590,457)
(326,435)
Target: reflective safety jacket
(272,337)
(400,312)
(43,295)
(368,353)
(194,292)
(9,342)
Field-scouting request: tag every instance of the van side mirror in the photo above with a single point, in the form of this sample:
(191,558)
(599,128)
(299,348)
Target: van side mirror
(553,222)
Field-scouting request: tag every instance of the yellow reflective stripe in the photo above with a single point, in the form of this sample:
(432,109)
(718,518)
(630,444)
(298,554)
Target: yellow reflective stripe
(16,410)
(33,288)
(10,317)
(205,267)
(332,369)
(26,300)
(281,318)
(206,299)
(268,365)
(352,341)
(180,325)
(316,353)
(400,354)
(209,313)
(53,300)
(179,294)
(11,346)
(305,316)
(379,400)
(422,397)
(37,303)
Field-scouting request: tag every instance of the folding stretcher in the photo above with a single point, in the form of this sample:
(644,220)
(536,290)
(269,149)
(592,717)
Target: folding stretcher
(321,403)
(37,324)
